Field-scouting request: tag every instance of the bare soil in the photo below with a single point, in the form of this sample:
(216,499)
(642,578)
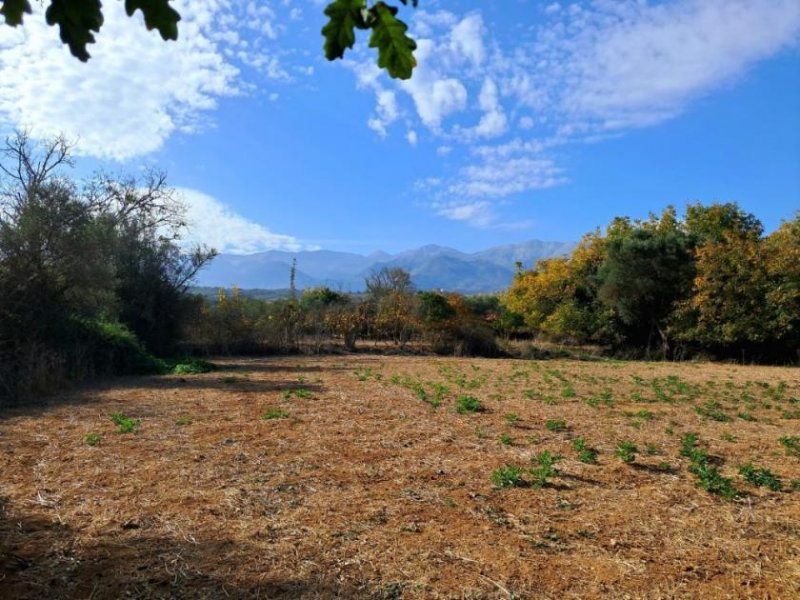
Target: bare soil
(365,490)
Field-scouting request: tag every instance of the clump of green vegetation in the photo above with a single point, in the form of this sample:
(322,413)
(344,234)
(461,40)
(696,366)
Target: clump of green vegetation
(791,444)
(646,415)
(468,404)
(92,439)
(512,418)
(193,367)
(713,410)
(506,439)
(651,449)
(182,420)
(556,425)
(568,391)
(709,477)
(760,477)
(125,424)
(508,476)
(586,454)
(439,392)
(728,437)
(363,374)
(544,468)
(691,450)
(418,388)
(604,397)
(626,451)
(275,413)
(297,393)
(745,416)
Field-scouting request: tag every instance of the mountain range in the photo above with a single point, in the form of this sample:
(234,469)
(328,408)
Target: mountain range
(431,267)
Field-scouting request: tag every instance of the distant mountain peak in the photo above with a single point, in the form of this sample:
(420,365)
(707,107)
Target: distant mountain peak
(431,266)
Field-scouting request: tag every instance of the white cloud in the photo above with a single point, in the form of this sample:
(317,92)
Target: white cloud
(411,136)
(435,96)
(498,177)
(494,122)
(588,71)
(478,213)
(137,90)
(215,224)
(466,39)
(639,64)
(134,93)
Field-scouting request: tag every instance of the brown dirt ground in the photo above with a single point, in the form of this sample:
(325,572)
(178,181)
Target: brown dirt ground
(366,491)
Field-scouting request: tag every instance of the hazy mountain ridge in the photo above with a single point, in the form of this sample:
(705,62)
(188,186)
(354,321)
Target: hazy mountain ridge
(431,267)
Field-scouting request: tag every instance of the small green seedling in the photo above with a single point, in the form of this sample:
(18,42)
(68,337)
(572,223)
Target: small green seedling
(712,410)
(182,420)
(506,439)
(791,444)
(586,454)
(508,476)
(275,413)
(468,404)
(544,468)
(556,425)
(761,477)
(125,424)
(512,418)
(626,451)
(709,479)
(92,439)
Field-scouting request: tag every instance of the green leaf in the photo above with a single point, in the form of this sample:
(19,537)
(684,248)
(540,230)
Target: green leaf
(343,18)
(76,19)
(13,10)
(158,14)
(395,48)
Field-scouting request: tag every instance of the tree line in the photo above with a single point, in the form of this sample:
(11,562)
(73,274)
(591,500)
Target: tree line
(95,280)
(708,282)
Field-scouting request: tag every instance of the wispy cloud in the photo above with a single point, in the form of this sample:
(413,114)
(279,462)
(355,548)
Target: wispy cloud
(215,224)
(586,71)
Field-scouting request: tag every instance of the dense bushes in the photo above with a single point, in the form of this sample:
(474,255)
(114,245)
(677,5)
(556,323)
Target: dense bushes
(92,280)
(322,318)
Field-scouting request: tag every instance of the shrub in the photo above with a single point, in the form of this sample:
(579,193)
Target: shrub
(193,367)
(92,439)
(468,404)
(125,424)
(508,476)
(556,425)
(626,451)
(791,444)
(275,413)
(586,454)
(544,468)
(709,479)
(760,477)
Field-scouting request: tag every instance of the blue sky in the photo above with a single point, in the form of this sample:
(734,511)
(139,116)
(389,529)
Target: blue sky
(525,119)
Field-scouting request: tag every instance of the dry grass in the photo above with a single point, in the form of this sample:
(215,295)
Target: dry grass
(367,491)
